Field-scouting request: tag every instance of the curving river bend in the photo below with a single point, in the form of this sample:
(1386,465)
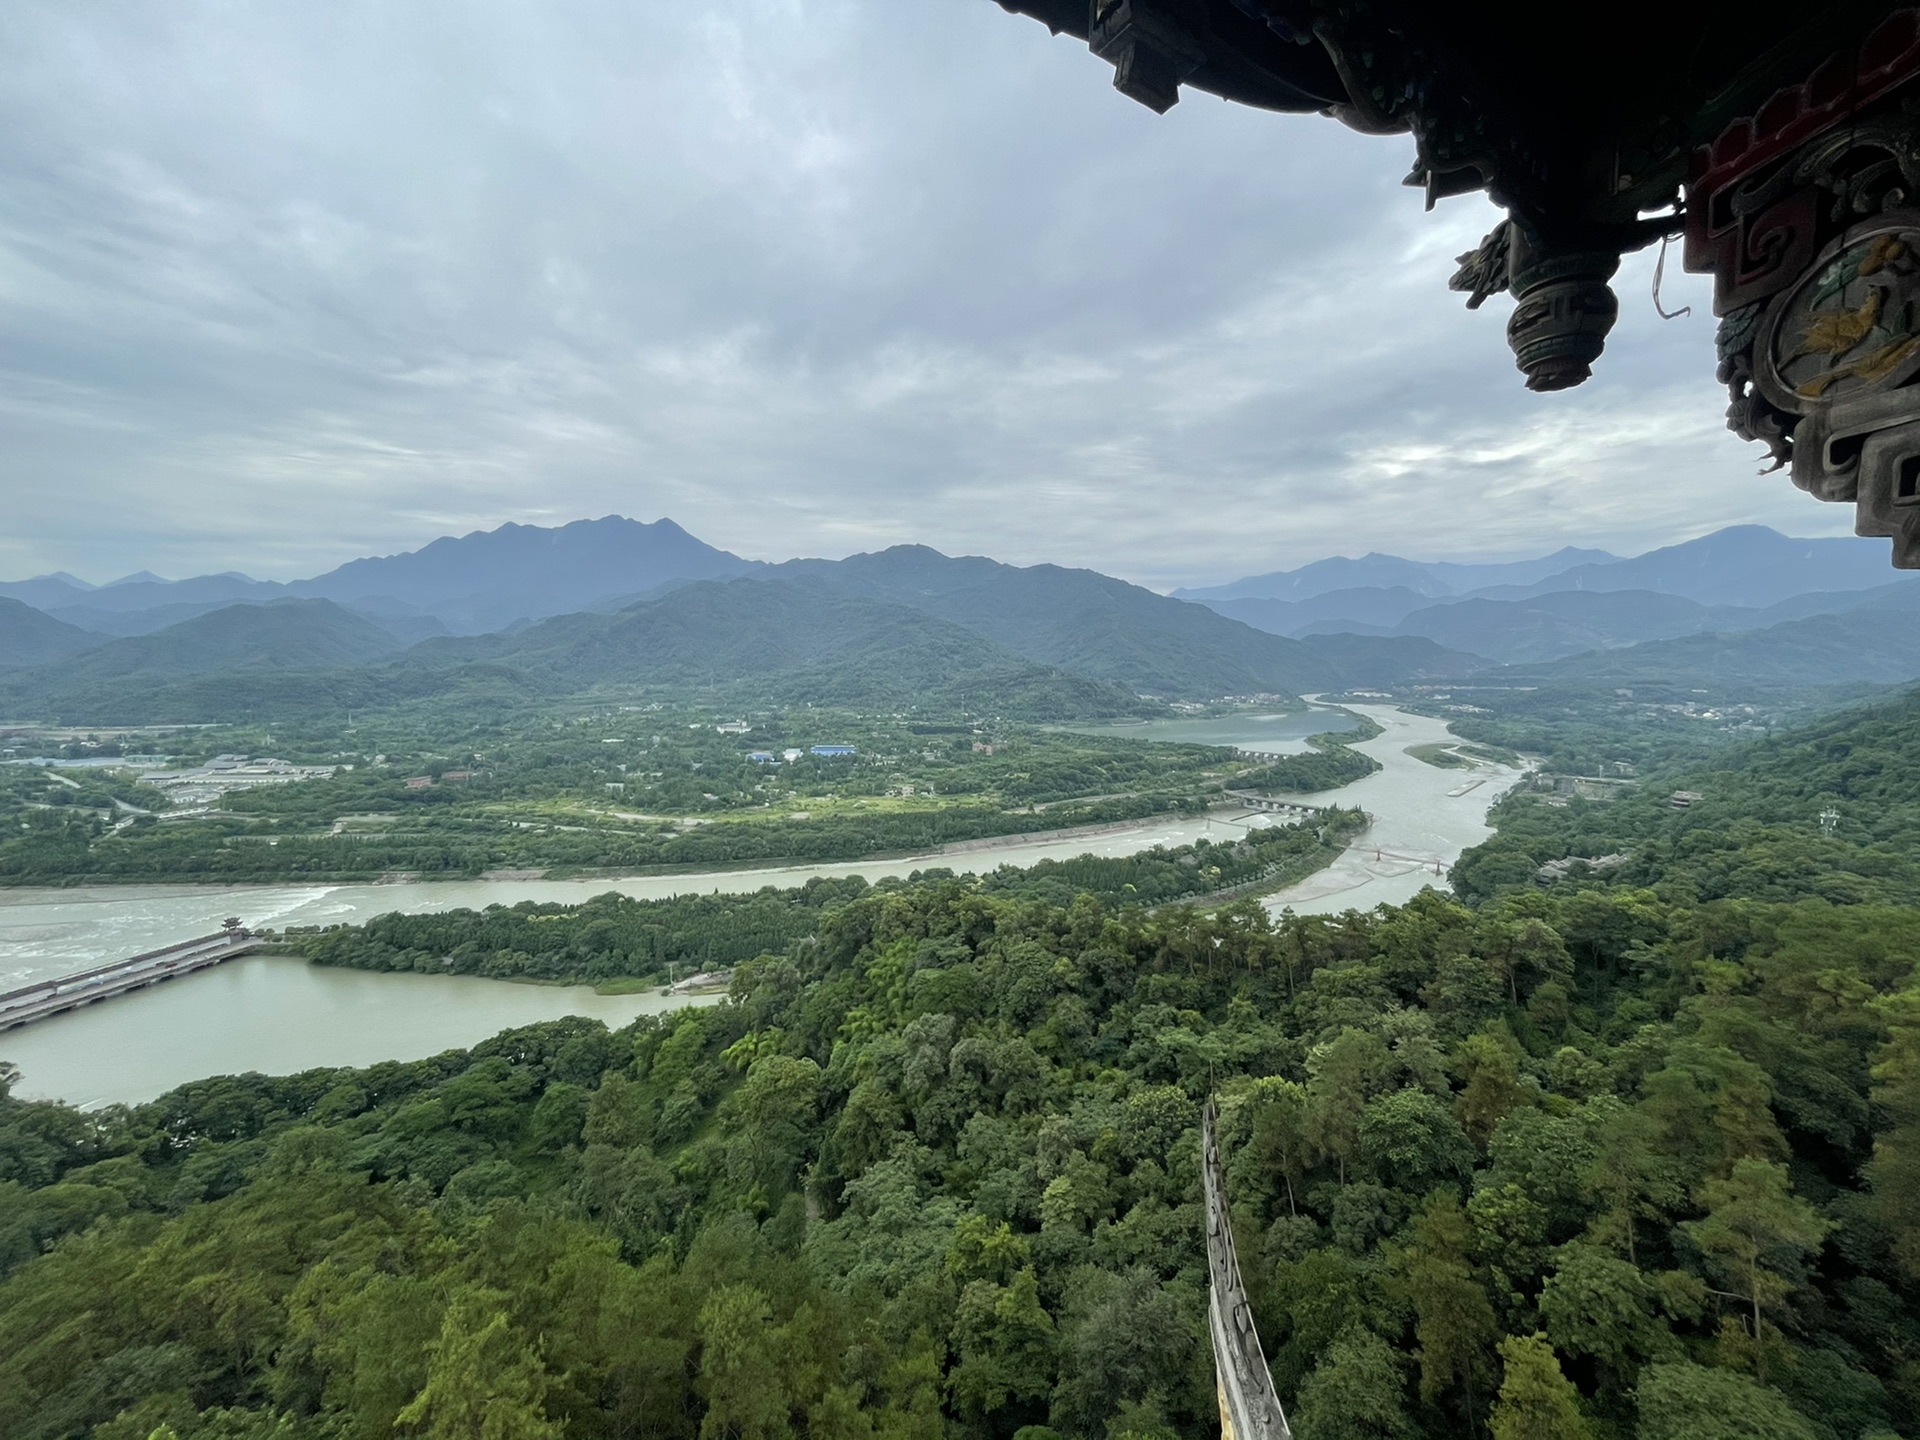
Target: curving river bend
(280,1016)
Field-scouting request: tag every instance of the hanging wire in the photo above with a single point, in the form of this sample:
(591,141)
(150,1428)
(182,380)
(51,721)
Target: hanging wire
(1659,275)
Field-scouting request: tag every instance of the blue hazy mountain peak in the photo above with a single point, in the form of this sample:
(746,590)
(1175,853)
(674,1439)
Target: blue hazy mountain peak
(1739,565)
(488,579)
(1433,578)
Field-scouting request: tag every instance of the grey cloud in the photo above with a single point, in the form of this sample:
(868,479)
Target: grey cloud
(284,285)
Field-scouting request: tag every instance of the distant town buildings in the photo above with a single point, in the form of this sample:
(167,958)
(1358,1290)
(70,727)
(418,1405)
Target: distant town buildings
(763,757)
(734,727)
(419,782)
(790,755)
(202,784)
(831,752)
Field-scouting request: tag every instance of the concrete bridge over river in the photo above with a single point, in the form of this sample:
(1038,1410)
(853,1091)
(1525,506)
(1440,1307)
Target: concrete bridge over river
(69,992)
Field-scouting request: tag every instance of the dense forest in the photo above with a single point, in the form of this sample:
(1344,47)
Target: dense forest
(1624,1156)
(1830,809)
(1578,729)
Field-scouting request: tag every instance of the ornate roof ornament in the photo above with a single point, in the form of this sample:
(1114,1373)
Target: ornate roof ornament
(1778,134)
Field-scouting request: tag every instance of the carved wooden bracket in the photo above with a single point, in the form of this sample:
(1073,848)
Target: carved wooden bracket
(1805,206)
(1808,215)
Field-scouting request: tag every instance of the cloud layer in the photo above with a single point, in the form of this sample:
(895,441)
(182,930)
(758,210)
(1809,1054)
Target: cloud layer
(283,285)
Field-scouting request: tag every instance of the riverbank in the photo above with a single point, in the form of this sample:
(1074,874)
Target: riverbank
(59,930)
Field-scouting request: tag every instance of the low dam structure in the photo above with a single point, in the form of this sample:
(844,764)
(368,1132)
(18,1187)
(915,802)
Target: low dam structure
(1254,800)
(69,992)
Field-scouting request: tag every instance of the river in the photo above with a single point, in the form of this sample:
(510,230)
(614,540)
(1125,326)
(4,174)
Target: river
(46,932)
(278,1014)
(1423,817)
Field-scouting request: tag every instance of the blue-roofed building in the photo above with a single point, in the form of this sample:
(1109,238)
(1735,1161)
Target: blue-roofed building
(761,757)
(831,752)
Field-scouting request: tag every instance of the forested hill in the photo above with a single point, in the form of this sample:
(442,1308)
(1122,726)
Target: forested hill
(282,635)
(761,644)
(1877,643)
(28,637)
(249,652)
(913,622)
(1082,621)
(785,640)
(1037,643)
(1602,1160)
(1755,829)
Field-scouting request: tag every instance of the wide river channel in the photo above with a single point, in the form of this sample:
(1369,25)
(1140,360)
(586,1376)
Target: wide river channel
(281,1015)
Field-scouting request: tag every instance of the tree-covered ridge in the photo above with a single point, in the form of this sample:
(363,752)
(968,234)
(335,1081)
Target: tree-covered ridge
(1752,826)
(1622,1157)
(1592,1163)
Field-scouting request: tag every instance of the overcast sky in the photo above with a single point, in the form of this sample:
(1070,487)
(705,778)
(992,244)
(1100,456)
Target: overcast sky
(281,285)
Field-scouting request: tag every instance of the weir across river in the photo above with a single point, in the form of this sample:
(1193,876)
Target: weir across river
(68,992)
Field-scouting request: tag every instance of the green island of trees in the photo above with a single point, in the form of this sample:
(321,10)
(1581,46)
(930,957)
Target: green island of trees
(1327,764)
(1635,1154)
(613,937)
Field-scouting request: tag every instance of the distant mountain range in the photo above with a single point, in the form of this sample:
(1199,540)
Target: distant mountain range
(1739,579)
(1379,572)
(1875,641)
(615,603)
(466,585)
(904,626)
(1075,622)
(1746,565)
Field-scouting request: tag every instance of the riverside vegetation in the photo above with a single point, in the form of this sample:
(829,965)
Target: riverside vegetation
(615,939)
(1630,1155)
(609,789)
